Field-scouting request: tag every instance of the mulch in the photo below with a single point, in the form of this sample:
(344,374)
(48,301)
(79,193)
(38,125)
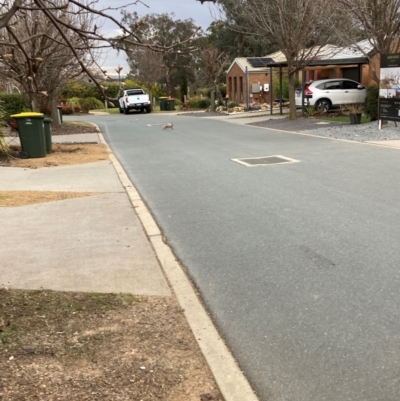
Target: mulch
(59,130)
(72,129)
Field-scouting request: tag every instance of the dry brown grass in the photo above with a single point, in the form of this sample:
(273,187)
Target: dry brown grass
(86,347)
(62,154)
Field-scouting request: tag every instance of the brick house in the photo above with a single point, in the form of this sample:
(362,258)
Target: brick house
(258,82)
(330,62)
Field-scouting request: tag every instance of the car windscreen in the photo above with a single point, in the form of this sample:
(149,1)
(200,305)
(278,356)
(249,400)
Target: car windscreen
(134,92)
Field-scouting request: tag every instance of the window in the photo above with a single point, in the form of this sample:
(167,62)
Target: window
(350,85)
(235,89)
(332,85)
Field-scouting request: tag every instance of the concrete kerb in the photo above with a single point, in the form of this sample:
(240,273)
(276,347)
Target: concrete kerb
(230,380)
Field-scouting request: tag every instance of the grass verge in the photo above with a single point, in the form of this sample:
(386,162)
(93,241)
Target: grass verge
(96,346)
(344,119)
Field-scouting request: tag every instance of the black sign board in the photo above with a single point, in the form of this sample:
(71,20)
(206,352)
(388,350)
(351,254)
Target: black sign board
(389,88)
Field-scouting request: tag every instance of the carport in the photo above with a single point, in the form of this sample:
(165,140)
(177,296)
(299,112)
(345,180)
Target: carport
(354,65)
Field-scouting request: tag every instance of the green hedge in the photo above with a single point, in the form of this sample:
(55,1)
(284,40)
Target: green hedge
(207,91)
(14,103)
(285,86)
(371,102)
(90,103)
(199,103)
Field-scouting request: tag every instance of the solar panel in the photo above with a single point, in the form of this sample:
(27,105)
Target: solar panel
(258,62)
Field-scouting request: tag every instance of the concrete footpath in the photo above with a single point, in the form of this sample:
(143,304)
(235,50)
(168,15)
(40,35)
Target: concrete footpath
(105,242)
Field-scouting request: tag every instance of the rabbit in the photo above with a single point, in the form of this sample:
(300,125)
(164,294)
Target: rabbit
(169,125)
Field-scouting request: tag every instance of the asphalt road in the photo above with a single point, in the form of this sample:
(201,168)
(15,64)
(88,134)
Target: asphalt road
(298,263)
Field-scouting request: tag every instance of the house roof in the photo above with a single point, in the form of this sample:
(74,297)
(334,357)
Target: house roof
(331,54)
(243,62)
(327,55)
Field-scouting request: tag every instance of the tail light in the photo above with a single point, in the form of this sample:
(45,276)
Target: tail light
(307,91)
(127,99)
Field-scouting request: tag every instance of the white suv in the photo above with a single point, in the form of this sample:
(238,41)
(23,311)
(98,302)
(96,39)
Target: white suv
(326,94)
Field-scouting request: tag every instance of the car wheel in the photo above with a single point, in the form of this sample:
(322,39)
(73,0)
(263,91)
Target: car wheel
(148,110)
(120,109)
(141,110)
(323,105)
(126,111)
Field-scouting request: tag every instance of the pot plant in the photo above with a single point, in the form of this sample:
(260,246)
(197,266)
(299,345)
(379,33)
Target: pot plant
(355,111)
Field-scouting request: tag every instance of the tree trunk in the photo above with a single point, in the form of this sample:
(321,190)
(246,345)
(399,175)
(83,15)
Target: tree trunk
(212,100)
(219,95)
(53,108)
(34,102)
(170,84)
(292,101)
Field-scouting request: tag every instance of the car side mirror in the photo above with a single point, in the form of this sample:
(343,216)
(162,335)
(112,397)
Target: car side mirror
(360,87)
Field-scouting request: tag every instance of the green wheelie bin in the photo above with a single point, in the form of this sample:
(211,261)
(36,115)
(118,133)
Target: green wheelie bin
(47,133)
(163,103)
(31,134)
(171,104)
(60,115)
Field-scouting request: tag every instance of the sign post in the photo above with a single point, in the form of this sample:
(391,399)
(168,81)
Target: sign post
(389,88)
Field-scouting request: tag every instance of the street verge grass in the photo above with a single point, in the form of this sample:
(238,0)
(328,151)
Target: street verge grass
(110,110)
(344,119)
(85,346)
(80,124)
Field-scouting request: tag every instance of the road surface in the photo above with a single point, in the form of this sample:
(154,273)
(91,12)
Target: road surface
(297,263)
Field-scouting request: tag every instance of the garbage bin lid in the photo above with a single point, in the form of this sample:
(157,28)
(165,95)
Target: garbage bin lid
(48,120)
(27,114)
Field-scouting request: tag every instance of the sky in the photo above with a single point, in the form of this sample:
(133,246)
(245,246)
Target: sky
(202,14)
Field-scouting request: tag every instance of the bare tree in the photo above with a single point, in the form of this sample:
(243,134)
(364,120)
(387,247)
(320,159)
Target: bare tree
(378,20)
(42,62)
(146,65)
(298,28)
(163,30)
(212,62)
(91,36)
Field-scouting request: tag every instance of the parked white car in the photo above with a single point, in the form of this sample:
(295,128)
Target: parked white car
(326,94)
(134,99)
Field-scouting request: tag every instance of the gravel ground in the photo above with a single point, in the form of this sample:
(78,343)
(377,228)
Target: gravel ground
(361,132)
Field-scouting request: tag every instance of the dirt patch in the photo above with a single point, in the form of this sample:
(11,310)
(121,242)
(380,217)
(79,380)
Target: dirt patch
(68,128)
(22,198)
(62,154)
(76,346)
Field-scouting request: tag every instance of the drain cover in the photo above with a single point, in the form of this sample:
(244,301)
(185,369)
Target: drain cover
(265,160)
